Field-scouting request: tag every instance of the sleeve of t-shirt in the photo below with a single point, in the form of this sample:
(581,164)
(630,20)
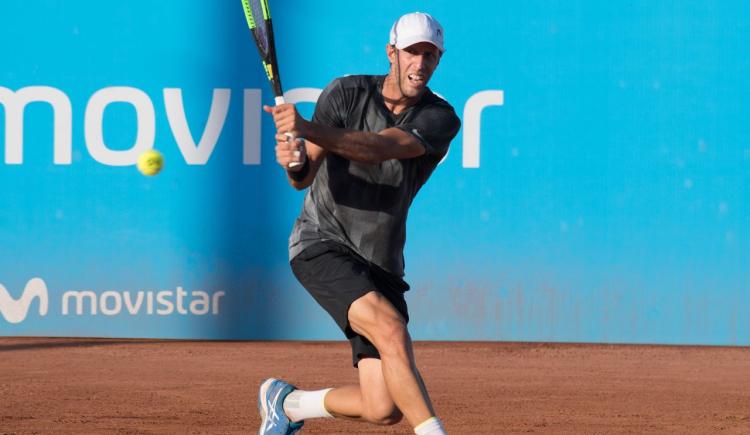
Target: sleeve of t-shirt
(330,109)
(435,126)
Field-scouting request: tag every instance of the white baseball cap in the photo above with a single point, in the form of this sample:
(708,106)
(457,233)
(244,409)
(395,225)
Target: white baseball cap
(417,27)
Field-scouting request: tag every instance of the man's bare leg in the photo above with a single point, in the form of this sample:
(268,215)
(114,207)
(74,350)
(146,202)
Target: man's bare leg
(373,400)
(375,318)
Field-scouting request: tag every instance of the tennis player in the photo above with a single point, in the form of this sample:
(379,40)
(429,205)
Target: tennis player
(372,143)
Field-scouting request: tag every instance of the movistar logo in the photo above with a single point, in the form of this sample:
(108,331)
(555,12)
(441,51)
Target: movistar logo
(110,302)
(15,310)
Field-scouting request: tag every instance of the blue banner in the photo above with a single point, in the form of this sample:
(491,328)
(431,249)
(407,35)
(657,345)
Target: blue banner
(597,191)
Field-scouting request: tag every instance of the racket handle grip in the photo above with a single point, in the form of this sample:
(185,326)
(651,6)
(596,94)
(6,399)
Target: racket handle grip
(279,99)
(290,137)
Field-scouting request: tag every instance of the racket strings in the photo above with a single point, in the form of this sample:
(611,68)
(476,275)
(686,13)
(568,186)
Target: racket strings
(260,31)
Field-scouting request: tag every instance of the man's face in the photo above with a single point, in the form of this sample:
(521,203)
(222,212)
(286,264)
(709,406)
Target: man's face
(414,66)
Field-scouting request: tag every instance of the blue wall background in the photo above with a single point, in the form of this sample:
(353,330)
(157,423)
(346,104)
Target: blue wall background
(610,202)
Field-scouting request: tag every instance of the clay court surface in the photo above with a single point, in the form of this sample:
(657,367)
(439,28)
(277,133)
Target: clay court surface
(86,386)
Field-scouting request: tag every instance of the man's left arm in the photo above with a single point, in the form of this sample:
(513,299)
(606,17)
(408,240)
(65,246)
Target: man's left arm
(402,142)
(366,147)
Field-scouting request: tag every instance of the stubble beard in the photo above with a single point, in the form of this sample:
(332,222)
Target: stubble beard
(400,82)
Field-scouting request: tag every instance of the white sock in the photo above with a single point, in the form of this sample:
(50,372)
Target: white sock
(300,405)
(431,426)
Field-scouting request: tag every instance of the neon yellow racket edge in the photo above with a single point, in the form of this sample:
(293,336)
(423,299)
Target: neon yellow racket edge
(258,16)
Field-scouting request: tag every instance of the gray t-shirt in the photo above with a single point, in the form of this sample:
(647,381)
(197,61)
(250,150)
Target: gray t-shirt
(364,206)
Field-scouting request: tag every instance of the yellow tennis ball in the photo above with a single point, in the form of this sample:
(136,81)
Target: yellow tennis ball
(150,162)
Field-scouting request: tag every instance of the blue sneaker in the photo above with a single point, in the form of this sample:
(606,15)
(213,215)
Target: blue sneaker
(273,420)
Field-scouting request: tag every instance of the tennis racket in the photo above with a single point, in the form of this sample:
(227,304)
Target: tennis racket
(258,17)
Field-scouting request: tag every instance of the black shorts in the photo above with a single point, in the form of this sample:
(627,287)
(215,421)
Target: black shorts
(336,277)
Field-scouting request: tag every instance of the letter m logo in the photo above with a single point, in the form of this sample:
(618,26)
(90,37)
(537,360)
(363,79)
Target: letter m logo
(15,310)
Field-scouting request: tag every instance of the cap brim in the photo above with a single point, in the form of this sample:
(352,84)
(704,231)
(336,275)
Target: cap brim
(408,42)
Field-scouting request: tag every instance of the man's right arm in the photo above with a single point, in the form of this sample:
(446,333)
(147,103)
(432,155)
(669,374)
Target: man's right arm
(328,111)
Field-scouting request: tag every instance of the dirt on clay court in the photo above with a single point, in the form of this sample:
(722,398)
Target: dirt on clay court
(84,386)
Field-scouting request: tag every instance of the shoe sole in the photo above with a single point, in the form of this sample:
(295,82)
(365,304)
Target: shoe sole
(262,404)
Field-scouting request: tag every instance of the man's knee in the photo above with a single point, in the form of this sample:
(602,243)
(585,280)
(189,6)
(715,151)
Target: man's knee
(392,338)
(384,414)
(375,318)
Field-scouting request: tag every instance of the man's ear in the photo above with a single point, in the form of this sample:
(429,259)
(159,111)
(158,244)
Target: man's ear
(391,51)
